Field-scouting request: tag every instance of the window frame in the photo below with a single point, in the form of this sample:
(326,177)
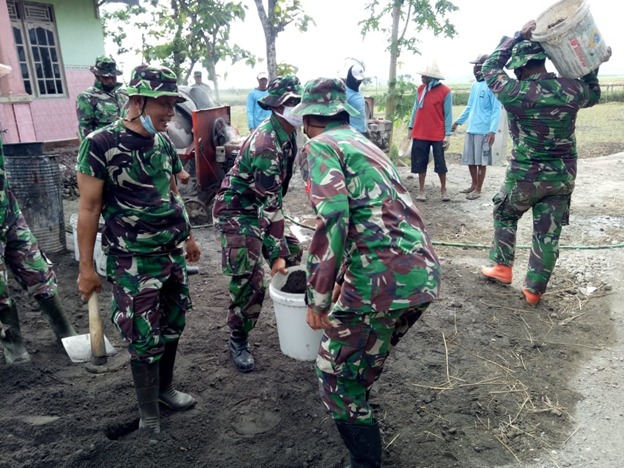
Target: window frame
(39,52)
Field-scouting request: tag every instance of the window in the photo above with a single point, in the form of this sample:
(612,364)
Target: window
(38,49)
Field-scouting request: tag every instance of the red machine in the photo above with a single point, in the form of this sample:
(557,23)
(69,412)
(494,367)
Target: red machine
(209,144)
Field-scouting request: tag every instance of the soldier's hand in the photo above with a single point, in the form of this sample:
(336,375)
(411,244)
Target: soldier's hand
(88,283)
(608,56)
(527,29)
(192,250)
(184,176)
(336,292)
(279,265)
(318,320)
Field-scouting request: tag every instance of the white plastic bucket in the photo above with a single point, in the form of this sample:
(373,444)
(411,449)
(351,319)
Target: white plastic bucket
(570,37)
(99,257)
(297,340)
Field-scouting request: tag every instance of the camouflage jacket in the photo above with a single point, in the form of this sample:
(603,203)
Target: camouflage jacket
(141,214)
(542,113)
(97,108)
(249,201)
(368,231)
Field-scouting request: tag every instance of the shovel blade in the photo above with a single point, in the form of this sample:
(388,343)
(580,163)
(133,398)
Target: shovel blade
(79,347)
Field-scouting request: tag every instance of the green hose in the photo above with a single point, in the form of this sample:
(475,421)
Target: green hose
(481,246)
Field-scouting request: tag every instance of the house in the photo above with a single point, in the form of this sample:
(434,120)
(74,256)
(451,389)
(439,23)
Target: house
(50,46)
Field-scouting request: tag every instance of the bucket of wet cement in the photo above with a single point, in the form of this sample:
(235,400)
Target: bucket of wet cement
(570,37)
(297,340)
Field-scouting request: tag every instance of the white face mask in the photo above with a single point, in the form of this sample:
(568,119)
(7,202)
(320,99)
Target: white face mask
(294,120)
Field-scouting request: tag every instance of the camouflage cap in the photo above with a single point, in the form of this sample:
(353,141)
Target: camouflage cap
(105,66)
(280,90)
(153,82)
(524,51)
(324,96)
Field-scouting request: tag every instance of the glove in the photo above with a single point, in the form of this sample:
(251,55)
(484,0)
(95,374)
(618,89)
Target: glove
(446,143)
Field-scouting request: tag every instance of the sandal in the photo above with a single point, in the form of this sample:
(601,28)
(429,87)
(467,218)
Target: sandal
(445,197)
(473,196)
(421,197)
(468,190)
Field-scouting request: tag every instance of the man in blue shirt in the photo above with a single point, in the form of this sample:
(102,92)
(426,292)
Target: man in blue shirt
(483,113)
(355,98)
(255,113)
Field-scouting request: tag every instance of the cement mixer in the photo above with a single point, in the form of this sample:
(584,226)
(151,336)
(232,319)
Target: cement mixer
(207,144)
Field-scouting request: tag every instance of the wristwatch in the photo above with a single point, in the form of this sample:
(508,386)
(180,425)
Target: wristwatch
(518,37)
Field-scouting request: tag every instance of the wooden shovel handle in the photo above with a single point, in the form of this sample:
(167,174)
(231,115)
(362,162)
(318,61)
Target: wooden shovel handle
(98,348)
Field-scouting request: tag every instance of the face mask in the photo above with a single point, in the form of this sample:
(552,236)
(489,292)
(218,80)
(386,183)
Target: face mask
(146,121)
(293,120)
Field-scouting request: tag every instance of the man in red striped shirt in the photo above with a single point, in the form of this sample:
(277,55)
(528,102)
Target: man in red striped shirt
(430,128)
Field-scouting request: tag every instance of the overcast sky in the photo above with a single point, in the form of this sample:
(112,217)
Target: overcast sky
(480,25)
(322,50)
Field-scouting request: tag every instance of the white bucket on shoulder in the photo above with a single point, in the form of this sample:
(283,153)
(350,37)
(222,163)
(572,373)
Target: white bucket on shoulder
(297,340)
(570,37)
(99,257)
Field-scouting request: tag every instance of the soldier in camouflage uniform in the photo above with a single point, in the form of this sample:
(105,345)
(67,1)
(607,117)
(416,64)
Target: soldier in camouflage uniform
(542,111)
(248,212)
(372,270)
(101,104)
(127,171)
(20,253)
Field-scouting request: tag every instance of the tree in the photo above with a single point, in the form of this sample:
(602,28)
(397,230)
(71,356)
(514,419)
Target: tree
(274,19)
(181,33)
(421,14)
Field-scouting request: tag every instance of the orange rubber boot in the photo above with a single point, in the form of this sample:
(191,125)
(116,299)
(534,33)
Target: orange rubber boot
(500,273)
(531,297)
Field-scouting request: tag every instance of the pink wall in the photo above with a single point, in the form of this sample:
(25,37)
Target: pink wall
(46,119)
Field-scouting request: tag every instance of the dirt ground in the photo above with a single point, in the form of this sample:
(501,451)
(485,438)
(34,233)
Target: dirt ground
(482,380)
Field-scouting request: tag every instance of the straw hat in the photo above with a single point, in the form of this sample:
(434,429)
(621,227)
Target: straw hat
(432,71)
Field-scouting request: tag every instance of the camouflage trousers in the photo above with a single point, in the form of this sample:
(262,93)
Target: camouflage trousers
(20,253)
(352,356)
(550,206)
(242,259)
(150,301)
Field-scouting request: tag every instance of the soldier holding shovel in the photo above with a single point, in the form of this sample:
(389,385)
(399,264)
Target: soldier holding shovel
(127,171)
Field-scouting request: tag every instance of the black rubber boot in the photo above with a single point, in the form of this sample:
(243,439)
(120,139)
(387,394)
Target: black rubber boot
(53,311)
(363,442)
(168,396)
(146,380)
(240,352)
(14,350)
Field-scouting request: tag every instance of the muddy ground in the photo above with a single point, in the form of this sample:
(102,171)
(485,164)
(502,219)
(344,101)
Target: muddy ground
(482,380)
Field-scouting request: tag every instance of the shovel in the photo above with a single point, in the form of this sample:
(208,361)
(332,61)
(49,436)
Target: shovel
(93,346)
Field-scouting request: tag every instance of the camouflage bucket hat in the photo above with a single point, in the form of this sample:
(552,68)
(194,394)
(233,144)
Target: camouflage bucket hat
(524,51)
(280,90)
(153,82)
(105,66)
(324,96)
